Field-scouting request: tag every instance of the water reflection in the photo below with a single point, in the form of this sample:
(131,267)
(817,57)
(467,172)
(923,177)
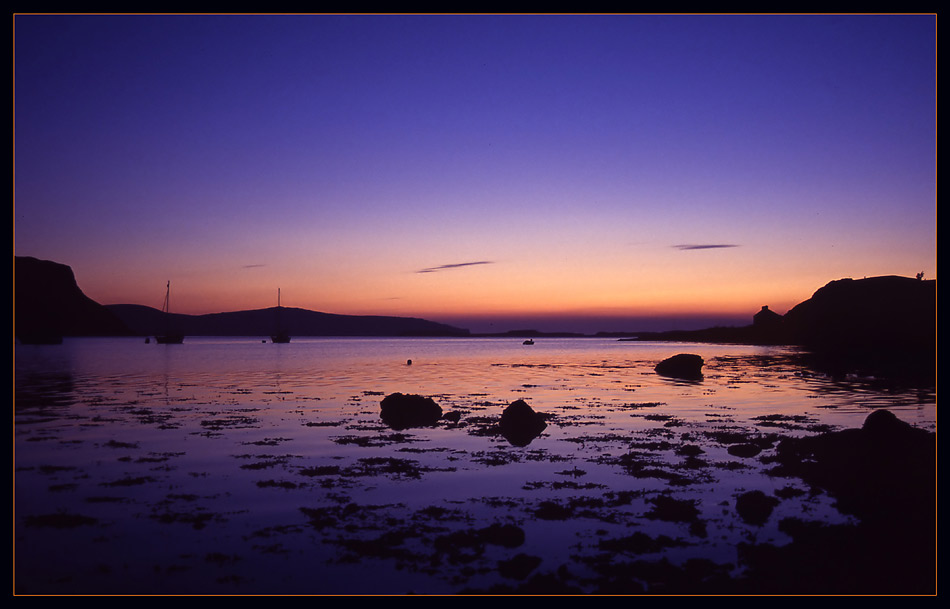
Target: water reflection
(38,391)
(267,468)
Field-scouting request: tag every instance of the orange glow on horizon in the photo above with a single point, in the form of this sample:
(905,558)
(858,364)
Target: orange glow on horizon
(541,301)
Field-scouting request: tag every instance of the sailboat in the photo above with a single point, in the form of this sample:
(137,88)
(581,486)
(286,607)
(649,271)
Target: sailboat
(169,338)
(281,335)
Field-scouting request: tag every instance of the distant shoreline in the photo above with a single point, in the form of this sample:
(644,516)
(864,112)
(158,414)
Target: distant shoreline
(886,322)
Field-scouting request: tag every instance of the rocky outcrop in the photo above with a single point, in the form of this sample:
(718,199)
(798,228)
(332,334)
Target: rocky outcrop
(879,326)
(686,366)
(884,471)
(893,313)
(402,411)
(755,507)
(520,424)
(885,475)
(49,304)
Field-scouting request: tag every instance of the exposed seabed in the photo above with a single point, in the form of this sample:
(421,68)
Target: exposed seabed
(258,486)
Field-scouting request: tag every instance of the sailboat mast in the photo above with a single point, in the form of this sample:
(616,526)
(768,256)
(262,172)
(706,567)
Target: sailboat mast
(281,336)
(168,338)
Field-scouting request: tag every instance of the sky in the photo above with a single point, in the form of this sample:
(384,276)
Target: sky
(495,172)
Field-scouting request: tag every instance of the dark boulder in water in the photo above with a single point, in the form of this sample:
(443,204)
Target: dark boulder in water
(755,507)
(683,365)
(744,450)
(520,424)
(453,416)
(402,411)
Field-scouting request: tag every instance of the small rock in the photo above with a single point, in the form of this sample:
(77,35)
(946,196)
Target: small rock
(520,424)
(401,411)
(505,535)
(689,450)
(744,450)
(683,365)
(755,507)
(673,510)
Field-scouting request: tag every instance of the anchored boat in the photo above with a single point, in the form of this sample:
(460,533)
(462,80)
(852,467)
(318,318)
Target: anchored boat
(281,336)
(169,337)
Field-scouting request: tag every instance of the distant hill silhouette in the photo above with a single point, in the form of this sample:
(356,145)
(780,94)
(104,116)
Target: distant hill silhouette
(297,322)
(877,318)
(48,304)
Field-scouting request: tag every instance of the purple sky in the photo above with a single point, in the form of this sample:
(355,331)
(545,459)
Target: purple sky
(480,170)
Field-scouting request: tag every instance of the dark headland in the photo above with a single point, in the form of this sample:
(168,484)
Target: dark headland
(49,305)
(876,325)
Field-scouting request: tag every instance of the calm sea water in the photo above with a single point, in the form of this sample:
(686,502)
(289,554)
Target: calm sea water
(230,466)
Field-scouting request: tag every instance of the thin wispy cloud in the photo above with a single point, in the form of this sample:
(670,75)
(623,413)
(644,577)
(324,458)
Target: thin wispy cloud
(444,267)
(704,246)
(252,266)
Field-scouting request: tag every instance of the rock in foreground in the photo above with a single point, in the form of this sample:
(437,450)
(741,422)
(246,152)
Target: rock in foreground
(402,411)
(755,507)
(884,474)
(520,424)
(684,365)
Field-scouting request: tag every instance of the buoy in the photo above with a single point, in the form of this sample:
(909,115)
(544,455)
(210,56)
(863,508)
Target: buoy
(408,362)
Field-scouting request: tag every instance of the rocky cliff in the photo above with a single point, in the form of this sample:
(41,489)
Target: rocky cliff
(893,313)
(48,304)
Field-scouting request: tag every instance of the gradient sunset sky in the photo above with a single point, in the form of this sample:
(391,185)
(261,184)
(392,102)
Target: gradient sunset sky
(494,172)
